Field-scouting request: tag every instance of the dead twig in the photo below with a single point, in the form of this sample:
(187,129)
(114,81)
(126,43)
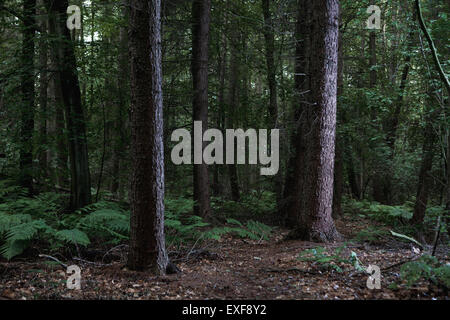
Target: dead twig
(54,259)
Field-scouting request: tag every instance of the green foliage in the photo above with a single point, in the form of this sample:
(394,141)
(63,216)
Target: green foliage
(426,268)
(182,226)
(333,260)
(390,215)
(371,235)
(253,203)
(253,230)
(23,220)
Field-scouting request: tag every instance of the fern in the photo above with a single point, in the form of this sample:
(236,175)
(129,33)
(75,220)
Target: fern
(18,237)
(427,268)
(73,236)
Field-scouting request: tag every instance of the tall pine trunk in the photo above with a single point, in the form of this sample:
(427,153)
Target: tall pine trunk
(199,68)
(147,241)
(318,224)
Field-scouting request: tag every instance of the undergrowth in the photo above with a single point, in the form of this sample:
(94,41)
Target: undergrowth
(25,220)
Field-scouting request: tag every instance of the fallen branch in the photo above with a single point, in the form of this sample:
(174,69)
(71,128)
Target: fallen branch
(54,259)
(91,262)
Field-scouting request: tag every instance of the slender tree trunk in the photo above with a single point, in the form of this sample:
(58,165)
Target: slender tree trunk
(447,207)
(352,179)
(221,113)
(80,194)
(373,59)
(43,98)
(271,71)
(147,241)
(28,95)
(425,180)
(56,125)
(293,190)
(271,81)
(318,224)
(199,68)
(233,105)
(119,143)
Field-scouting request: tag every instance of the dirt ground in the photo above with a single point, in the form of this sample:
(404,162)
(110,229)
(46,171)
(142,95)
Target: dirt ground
(228,269)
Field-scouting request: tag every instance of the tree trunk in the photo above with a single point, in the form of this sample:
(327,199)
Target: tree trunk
(233,105)
(338,161)
(222,67)
(80,191)
(293,189)
(28,92)
(119,143)
(318,224)
(447,207)
(271,81)
(199,68)
(425,180)
(147,241)
(373,59)
(43,84)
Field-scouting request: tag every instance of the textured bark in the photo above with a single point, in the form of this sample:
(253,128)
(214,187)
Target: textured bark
(293,195)
(28,95)
(147,242)
(199,68)
(338,160)
(318,224)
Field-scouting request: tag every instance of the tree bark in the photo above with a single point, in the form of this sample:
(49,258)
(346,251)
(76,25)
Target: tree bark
(318,224)
(147,241)
(199,68)
(338,161)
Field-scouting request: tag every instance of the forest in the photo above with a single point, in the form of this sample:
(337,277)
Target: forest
(224,149)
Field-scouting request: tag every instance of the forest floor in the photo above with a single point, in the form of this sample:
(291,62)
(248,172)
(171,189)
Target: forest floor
(231,268)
